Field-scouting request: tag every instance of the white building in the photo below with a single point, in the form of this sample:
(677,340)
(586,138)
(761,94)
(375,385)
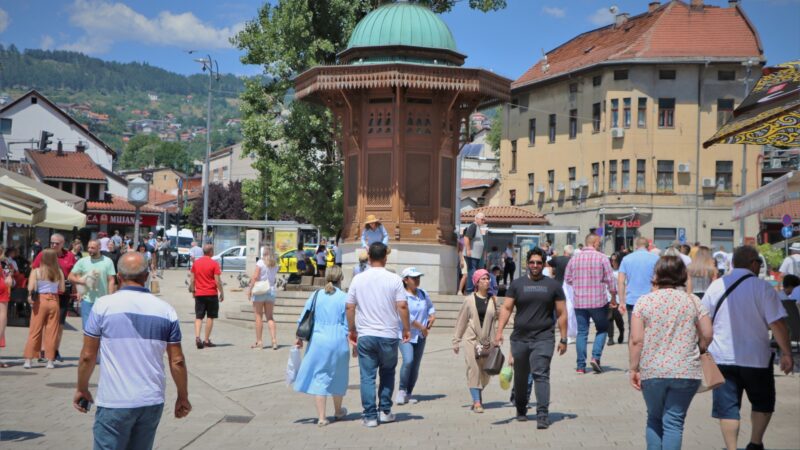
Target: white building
(33,113)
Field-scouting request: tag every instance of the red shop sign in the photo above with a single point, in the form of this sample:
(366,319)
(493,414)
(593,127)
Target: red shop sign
(623,223)
(121,219)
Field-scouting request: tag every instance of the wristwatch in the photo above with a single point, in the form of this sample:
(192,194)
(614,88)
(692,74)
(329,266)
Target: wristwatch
(563,341)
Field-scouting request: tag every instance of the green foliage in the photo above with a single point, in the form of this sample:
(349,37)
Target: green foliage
(303,178)
(774,256)
(495,134)
(147,150)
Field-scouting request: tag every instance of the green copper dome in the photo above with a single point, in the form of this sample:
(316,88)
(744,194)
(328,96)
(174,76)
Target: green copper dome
(405,24)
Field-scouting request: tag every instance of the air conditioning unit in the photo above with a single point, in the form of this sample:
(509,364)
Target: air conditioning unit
(540,189)
(584,182)
(684,167)
(617,133)
(708,183)
(776,163)
(575,185)
(561,187)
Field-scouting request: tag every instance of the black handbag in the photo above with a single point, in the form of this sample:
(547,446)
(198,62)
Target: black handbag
(494,361)
(306,326)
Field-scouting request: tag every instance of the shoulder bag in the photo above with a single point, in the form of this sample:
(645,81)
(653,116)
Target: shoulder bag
(306,326)
(494,361)
(261,287)
(712,376)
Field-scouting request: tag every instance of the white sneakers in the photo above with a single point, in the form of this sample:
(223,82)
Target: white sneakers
(400,398)
(27,364)
(412,400)
(369,423)
(386,418)
(50,364)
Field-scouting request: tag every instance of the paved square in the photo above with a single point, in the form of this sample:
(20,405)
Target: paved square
(240,400)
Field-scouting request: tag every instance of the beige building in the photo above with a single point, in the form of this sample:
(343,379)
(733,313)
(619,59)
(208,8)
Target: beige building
(164,180)
(607,128)
(227,164)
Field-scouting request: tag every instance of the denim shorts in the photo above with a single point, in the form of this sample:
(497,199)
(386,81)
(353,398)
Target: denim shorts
(269,297)
(759,384)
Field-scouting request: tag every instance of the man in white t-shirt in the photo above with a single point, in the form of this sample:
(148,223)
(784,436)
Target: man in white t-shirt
(723,260)
(132,329)
(377,312)
(741,345)
(195,253)
(791,264)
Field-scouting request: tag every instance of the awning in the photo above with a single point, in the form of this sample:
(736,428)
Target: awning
(58,215)
(73,201)
(770,115)
(781,190)
(19,207)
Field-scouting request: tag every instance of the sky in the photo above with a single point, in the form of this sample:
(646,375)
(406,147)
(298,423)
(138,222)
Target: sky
(507,42)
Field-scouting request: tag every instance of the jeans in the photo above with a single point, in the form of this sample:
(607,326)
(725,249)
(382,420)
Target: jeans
(475,393)
(409,371)
(667,402)
(86,309)
(532,357)
(600,318)
(473,264)
(128,428)
(377,354)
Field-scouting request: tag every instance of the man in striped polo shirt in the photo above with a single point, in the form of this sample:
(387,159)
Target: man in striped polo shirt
(132,329)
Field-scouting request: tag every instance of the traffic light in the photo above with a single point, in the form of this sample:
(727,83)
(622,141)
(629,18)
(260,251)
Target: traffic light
(44,140)
(172,218)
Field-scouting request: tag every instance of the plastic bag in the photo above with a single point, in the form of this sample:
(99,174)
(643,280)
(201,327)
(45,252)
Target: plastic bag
(293,365)
(506,375)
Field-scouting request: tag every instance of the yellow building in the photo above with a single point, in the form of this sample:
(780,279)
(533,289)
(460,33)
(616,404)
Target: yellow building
(608,127)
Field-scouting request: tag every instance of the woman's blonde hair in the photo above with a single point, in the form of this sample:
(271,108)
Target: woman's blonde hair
(269,258)
(49,269)
(333,276)
(702,265)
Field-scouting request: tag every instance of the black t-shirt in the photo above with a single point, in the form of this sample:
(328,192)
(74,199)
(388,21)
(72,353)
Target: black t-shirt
(559,265)
(535,301)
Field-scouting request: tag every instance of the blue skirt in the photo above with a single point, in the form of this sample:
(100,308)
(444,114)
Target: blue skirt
(325,366)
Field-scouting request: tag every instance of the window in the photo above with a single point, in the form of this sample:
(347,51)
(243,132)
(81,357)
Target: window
(664,237)
(595,177)
(665,176)
(571,171)
(551,182)
(724,111)
(573,88)
(596,117)
(514,103)
(641,165)
(597,80)
(726,75)
(666,74)
(531,188)
(722,238)
(612,175)
(512,197)
(225,173)
(620,74)
(573,123)
(552,128)
(531,132)
(572,186)
(666,113)
(626,175)
(614,113)
(724,176)
(513,156)
(641,119)
(626,112)
(34,100)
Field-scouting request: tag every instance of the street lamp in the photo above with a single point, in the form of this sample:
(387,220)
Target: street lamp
(212,67)
(749,65)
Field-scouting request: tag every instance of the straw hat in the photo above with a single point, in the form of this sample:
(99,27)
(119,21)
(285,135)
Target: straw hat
(371,219)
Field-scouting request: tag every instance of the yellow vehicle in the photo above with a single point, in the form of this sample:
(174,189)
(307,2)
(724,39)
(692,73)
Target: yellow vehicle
(287,261)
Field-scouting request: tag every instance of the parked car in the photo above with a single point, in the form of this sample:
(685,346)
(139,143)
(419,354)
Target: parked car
(287,261)
(232,259)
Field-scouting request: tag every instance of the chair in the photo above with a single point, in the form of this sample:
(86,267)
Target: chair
(793,320)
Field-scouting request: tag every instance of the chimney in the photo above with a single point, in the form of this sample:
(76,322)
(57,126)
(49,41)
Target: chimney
(81,147)
(621,19)
(697,4)
(60,149)
(652,6)
(733,3)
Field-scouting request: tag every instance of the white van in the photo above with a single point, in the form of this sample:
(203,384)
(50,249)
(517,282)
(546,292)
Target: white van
(182,241)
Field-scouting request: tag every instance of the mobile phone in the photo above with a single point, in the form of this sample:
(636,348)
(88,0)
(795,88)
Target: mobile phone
(85,404)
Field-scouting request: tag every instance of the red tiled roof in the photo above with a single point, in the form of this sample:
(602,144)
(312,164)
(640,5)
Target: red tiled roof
(472,183)
(119,204)
(504,215)
(157,198)
(674,30)
(791,207)
(68,165)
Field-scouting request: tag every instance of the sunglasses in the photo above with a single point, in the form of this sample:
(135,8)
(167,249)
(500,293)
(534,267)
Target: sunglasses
(535,263)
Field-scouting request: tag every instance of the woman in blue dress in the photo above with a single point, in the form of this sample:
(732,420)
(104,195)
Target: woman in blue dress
(325,367)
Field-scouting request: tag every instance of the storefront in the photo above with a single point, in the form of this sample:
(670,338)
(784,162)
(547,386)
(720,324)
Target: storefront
(118,215)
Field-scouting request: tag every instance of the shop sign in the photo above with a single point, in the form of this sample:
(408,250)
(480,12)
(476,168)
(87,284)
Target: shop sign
(636,223)
(121,219)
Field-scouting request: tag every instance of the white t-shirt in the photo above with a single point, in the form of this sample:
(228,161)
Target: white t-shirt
(790,265)
(686,259)
(723,260)
(741,326)
(375,292)
(104,244)
(196,252)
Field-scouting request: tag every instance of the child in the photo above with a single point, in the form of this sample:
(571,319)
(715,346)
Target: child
(790,283)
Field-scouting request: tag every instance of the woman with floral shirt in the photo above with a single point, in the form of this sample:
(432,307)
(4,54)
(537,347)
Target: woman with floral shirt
(666,327)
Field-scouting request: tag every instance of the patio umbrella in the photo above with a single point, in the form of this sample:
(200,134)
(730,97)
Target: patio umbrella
(19,207)
(770,115)
(58,215)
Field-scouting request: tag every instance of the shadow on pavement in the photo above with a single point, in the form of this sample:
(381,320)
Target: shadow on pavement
(428,398)
(554,417)
(18,436)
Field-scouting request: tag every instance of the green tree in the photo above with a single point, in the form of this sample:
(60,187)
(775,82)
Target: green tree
(147,150)
(495,134)
(302,178)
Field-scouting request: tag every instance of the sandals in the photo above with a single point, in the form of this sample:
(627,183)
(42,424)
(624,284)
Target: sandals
(342,415)
(257,346)
(274,345)
(323,422)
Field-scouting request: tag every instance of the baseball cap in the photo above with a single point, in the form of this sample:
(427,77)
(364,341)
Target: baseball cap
(411,272)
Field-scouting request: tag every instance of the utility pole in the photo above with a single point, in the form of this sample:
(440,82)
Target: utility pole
(212,67)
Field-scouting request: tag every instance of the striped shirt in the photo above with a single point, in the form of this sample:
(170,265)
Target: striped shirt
(590,275)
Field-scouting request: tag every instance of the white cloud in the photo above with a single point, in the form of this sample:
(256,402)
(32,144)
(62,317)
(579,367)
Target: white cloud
(104,22)
(554,11)
(602,17)
(47,42)
(4,20)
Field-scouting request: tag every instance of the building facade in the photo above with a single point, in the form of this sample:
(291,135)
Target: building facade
(227,164)
(606,131)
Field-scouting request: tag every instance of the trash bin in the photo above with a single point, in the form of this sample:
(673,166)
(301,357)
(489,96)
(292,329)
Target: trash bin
(19,311)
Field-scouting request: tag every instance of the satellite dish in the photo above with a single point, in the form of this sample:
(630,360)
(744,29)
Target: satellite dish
(614,9)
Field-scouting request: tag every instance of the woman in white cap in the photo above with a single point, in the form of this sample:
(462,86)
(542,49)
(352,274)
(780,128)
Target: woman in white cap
(373,232)
(421,315)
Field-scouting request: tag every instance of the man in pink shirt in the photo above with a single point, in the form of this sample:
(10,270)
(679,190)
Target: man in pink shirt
(591,277)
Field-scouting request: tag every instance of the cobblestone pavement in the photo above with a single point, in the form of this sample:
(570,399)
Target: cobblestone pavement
(240,400)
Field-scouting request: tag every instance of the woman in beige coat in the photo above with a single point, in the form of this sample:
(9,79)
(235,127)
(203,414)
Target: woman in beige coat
(476,324)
